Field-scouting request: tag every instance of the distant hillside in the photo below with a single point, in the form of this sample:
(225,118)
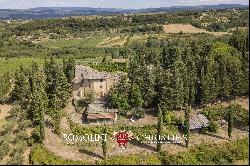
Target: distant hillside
(57,12)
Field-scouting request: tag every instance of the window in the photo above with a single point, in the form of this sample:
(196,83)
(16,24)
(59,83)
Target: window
(101,80)
(89,86)
(89,80)
(82,82)
(81,75)
(101,86)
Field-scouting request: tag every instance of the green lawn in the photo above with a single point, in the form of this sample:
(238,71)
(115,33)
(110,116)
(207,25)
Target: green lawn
(83,42)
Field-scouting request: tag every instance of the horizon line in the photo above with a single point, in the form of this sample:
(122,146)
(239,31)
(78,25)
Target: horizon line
(123,8)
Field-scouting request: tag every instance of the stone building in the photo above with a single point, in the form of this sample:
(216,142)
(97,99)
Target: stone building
(88,80)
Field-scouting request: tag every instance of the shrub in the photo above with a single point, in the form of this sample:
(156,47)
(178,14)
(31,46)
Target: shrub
(214,113)
(240,115)
(149,159)
(4,149)
(21,135)
(17,159)
(169,118)
(41,156)
(138,112)
(211,154)
(7,128)
(204,130)
(82,103)
(213,127)
(19,148)
(24,124)
(36,134)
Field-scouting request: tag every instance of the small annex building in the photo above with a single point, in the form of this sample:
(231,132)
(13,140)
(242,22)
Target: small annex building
(97,114)
(198,122)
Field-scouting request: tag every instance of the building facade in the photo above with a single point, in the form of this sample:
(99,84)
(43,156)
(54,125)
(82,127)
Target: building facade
(88,80)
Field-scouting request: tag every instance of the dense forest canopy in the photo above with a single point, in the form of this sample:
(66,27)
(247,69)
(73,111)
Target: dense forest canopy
(186,71)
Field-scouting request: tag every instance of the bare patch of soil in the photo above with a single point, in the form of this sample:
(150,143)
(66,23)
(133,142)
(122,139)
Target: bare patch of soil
(4,111)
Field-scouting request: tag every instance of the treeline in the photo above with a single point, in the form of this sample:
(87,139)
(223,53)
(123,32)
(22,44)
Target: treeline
(43,91)
(71,25)
(231,20)
(5,85)
(186,72)
(136,21)
(12,47)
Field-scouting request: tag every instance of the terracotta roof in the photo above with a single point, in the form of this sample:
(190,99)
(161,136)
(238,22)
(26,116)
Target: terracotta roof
(101,116)
(198,121)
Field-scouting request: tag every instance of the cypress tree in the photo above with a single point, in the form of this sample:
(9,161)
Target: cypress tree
(135,97)
(148,89)
(55,113)
(209,86)
(230,122)
(22,91)
(69,69)
(38,103)
(159,129)
(186,124)
(62,88)
(104,142)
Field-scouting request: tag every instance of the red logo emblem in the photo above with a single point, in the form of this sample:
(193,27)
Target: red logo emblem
(122,138)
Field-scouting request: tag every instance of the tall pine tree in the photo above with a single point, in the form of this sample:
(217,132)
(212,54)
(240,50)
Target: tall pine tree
(159,129)
(186,125)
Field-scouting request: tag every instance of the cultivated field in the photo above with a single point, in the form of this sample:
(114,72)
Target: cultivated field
(83,42)
(11,64)
(115,41)
(187,28)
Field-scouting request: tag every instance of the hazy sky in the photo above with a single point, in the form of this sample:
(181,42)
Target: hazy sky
(22,4)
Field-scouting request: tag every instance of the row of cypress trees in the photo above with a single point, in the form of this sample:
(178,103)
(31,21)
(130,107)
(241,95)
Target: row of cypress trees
(42,91)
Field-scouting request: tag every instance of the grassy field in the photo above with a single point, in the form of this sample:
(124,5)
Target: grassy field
(114,41)
(83,42)
(9,65)
(89,60)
